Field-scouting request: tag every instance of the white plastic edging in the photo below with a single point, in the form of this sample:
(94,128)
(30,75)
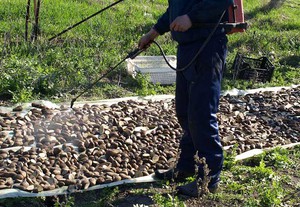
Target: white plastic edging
(254,152)
(14,193)
(233,92)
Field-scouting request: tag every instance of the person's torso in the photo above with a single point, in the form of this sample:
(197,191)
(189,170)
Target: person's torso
(181,7)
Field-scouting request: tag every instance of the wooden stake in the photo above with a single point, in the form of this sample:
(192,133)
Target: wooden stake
(27,20)
(37,18)
(35,30)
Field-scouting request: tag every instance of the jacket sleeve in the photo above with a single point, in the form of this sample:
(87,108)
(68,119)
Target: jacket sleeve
(163,23)
(207,10)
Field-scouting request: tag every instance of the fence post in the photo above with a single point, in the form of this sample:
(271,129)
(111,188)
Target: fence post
(27,20)
(36,30)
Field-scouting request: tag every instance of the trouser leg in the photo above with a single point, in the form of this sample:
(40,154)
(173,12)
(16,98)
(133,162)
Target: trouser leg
(197,104)
(187,150)
(204,127)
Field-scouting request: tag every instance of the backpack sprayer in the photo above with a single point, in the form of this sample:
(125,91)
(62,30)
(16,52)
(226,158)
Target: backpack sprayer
(236,20)
(234,23)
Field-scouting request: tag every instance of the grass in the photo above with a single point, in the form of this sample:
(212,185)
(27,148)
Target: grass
(66,65)
(263,181)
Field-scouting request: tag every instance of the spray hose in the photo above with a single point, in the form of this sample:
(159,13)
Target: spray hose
(199,51)
(137,51)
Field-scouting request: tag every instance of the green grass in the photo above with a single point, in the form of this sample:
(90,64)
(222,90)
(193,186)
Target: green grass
(74,60)
(51,68)
(273,32)
(270,179)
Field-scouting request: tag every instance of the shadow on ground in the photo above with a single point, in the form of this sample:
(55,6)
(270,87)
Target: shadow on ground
(273,4)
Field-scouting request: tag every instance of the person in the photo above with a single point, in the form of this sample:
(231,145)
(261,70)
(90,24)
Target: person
(197,87)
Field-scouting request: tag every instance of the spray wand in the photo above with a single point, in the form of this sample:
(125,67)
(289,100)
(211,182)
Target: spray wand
(130,55)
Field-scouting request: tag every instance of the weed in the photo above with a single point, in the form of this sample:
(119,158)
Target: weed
(269,194)
(167,201)
(145,87)
(229,158)
(71,61)
(262,172)
(68,201)
(106,198)
(13,202)
(235,187)
(202,183)
(277,158)
(22,95)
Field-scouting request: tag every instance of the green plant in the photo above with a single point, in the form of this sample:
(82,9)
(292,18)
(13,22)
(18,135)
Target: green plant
(267,195)
(229,158)
(22,95)
(277,158)
(68,201)
(167,201)
(262,172)
(76,58)
(235,187)
(145,87)
(106,198)
(22,201)
(271,195)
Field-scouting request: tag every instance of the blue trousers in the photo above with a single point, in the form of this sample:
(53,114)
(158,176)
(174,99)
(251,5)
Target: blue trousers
(197,100)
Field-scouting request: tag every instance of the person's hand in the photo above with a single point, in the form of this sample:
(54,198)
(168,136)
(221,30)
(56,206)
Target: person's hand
(147,39)
(181,24)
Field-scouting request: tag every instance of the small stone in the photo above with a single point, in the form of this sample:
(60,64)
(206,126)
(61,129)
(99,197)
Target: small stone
(129,141)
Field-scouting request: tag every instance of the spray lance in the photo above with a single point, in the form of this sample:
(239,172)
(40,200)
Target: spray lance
(130,55)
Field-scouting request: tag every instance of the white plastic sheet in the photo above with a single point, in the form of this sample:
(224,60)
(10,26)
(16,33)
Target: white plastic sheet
(13,193)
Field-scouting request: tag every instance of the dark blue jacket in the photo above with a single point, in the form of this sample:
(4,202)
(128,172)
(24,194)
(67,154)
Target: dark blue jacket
(199,11)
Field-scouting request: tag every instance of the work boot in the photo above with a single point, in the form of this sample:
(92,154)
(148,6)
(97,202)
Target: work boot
(191,189)
(173,174)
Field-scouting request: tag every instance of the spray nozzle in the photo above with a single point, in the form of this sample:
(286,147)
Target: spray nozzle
(134,53)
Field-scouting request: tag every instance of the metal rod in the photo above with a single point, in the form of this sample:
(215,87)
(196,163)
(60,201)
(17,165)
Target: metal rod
(131,55)
(78,23)
(93,84)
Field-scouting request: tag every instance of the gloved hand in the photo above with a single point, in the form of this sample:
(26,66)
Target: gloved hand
(147,39)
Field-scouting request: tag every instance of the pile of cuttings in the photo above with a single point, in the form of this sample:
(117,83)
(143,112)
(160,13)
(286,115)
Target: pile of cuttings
(260,120)
(97,144)
(90,145)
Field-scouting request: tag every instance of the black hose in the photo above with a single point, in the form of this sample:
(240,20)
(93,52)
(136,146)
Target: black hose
(136,52)
(199,51)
